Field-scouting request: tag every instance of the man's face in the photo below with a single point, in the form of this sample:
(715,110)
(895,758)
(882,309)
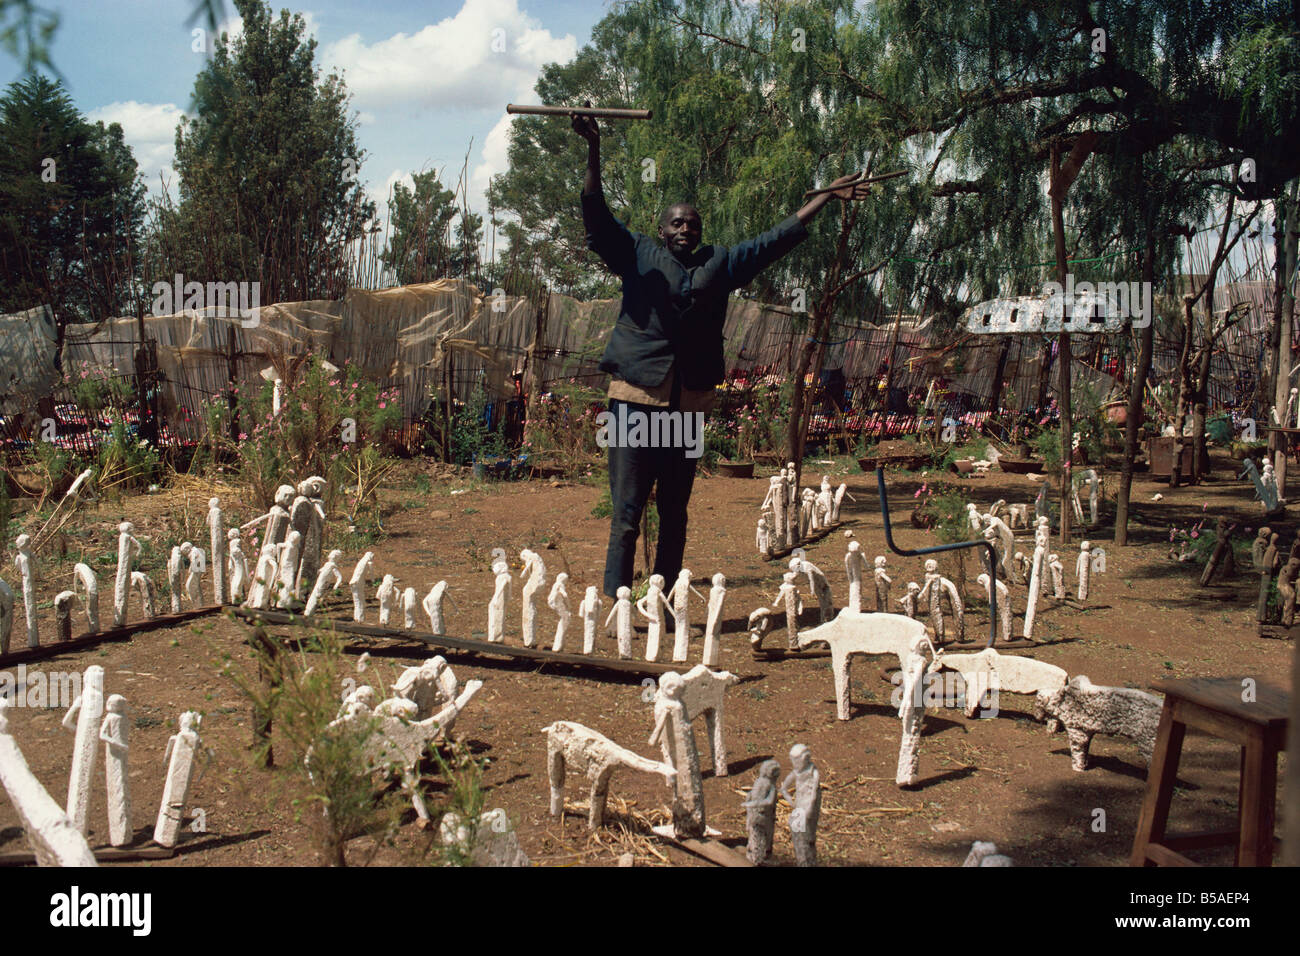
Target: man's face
(680,229)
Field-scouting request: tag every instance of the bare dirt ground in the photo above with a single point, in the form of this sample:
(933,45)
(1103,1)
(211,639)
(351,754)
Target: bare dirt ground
(1004,779)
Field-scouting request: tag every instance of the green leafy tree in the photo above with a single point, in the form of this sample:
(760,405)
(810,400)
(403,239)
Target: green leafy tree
(71,207)
(431,235)
(268,167)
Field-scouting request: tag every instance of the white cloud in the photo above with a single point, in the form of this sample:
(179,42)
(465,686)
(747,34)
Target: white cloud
(494,160)
(489,53)
(150,131)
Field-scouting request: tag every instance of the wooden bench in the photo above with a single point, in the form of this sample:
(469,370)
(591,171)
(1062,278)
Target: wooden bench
(1215,706)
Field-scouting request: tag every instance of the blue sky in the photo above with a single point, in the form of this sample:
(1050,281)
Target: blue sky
(424,77)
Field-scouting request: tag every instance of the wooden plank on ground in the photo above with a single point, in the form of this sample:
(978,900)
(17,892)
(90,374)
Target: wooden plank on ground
(711,850)
(540,655)
(123,633)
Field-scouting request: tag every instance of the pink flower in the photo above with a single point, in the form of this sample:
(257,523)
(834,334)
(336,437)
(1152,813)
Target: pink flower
(243,436)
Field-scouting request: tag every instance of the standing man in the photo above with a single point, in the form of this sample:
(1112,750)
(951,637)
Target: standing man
(665,351)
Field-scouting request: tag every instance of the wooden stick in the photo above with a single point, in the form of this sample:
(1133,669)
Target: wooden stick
(590,661)
(592,111)
(857,182)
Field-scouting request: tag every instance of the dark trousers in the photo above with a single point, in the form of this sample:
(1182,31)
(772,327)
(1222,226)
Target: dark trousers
(632,473)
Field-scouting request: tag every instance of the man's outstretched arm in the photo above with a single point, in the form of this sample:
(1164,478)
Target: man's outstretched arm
(747,259)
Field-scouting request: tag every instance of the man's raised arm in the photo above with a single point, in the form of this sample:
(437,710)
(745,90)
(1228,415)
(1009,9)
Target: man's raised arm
(606,236)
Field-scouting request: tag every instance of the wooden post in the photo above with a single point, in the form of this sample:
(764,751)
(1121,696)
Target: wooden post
(1062,176)
(1063,347)
(533,377)
(232,380)
(269,678)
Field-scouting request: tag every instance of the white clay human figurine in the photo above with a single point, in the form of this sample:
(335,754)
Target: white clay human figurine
(840,492)
(589,609)
(175,566)
(197,565)
(854,565)
(182,751)
(83,718)
(63,615)
(621,612)
(558,601)
(883,581)
(85,582)
(1004,605)
(673,733)
(358,585)
(1038,569)
(497,606)
(1083,569)
(217,542)
(1058,576)
(23,561)
(307,517)
(825,503)
(818,585)
(713,627)
(652,606)
(409,603)
(287,576)
(388,595)
(127,550)
(330,569)
(911,600)
(114,734)
(788,599)
(776,501)
(530,595)
(806,804)
(276,530)
(238,566)
(679,595)
(143,584)
(762,538)
(932,591)
(432,605)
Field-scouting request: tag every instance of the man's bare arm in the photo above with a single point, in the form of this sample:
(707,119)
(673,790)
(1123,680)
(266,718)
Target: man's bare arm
(813,206)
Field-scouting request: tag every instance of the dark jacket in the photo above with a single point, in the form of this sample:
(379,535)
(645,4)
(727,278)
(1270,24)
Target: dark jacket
(674,311)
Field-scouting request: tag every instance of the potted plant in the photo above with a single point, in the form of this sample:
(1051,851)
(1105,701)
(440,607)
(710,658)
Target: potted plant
(746,435)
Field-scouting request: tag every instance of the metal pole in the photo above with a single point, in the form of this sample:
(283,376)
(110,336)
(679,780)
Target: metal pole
(912,553)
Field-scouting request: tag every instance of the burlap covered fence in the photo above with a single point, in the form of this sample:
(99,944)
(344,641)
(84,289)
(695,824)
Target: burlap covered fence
(421,338)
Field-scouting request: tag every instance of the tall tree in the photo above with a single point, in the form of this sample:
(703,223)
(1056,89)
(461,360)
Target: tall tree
(71,207)
(431,236)
(268,166)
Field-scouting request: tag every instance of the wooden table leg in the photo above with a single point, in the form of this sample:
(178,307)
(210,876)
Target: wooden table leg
(1257,810)
(1161,775)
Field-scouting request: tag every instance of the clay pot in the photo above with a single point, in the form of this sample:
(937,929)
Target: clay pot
(736,469)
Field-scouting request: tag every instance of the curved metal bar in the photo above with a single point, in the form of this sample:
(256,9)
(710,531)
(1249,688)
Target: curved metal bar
(917,552)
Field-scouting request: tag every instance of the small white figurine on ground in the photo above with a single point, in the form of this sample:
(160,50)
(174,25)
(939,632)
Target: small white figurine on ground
(128,548)
(558,601)
(114,733)
(589,609)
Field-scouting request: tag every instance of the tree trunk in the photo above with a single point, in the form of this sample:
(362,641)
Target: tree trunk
(1184,390)
(1137,386)
(1200,408)
(1285,224)
(995,396)
(1063,350)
